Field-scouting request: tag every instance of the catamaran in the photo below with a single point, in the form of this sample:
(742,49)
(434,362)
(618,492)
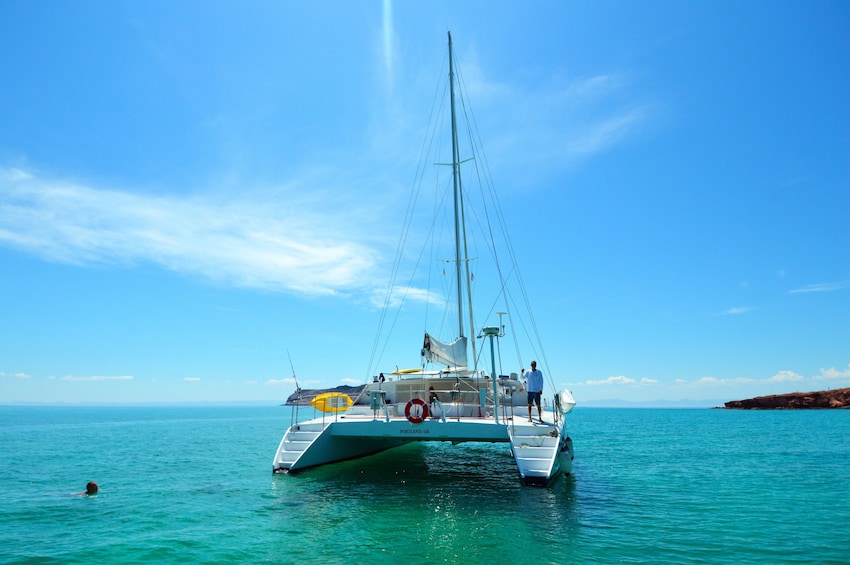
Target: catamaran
(444,399)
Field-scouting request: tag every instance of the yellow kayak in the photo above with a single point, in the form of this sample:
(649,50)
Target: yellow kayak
(332,402)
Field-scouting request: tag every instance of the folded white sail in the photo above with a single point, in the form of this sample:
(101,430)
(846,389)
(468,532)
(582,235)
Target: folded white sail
(449,354)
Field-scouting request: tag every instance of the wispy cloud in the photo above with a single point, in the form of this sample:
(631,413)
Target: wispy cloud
(723,381)
(599,136)
(618,380)
(736,310)
(192,379)
(276,382)
(22,376)
(97,378)
(557,121)
(387,35)
(621,380)
(276,240)
(786,377)
(819,287)
(403,294)
(833,374)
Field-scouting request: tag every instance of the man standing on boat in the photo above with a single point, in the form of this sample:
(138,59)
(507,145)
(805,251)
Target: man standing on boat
(534,385)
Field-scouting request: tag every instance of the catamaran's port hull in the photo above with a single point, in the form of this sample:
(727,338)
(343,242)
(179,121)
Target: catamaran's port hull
(337,449)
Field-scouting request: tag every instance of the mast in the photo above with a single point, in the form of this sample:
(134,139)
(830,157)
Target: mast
(460,221)
(456,181)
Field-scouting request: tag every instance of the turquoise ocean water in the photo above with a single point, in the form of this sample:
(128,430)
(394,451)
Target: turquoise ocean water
(194,485)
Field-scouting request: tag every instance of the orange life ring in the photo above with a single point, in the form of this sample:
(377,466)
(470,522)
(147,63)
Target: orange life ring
(414,418)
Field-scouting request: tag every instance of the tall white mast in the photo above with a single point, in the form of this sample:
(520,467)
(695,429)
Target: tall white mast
(456,180)
(459,221)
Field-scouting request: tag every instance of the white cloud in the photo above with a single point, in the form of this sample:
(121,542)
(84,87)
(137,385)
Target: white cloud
(821,287)
(716,381)
(833,373)
(278,240)
(786,376)
(21,376)
(276,382)
(387,36)
(192,379)
(618,380)
(621,380)
(736,310)
(563,122)
(403,294)
(601,135)
(97,378)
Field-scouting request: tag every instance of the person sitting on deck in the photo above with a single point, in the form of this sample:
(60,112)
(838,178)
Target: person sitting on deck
(432,400)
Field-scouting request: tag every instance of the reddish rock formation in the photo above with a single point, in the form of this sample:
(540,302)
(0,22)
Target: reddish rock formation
(838,398)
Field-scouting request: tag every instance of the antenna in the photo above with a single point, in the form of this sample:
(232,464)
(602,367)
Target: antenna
(297,388)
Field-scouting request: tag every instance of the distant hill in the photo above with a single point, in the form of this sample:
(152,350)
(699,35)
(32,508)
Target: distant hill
(838,398)
(309,394)
(617,403)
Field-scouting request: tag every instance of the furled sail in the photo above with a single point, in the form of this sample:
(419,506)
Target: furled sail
(449,354)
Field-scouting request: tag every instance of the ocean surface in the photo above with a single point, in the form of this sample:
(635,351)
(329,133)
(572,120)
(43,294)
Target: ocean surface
(194,485)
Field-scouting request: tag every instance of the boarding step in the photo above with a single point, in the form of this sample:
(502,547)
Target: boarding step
(534,453)
(295,442)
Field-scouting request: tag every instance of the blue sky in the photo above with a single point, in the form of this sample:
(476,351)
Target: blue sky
(190,190)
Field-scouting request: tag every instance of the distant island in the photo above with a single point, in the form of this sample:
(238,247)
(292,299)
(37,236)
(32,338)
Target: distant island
(837,398)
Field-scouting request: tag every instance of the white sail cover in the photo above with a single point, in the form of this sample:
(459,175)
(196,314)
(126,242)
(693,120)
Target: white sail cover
(448,354)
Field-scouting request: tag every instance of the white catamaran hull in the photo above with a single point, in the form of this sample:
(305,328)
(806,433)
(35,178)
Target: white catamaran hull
(542,450)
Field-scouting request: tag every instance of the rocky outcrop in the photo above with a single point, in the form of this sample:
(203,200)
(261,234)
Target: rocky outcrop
(309,394)
(838,398)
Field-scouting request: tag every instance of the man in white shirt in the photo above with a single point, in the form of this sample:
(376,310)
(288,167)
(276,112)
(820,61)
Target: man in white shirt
(534,385)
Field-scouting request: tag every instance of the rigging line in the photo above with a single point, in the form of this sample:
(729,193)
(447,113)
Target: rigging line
(297,386)
(406,224)
(407,289)
(441,197)
(461,95)
(446,286)
(440,205)
(510,298)
(409,286)
(509,245)
(429,237)
(472,125)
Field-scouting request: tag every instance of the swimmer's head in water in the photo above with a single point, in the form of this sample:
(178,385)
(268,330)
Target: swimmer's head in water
(91,488)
